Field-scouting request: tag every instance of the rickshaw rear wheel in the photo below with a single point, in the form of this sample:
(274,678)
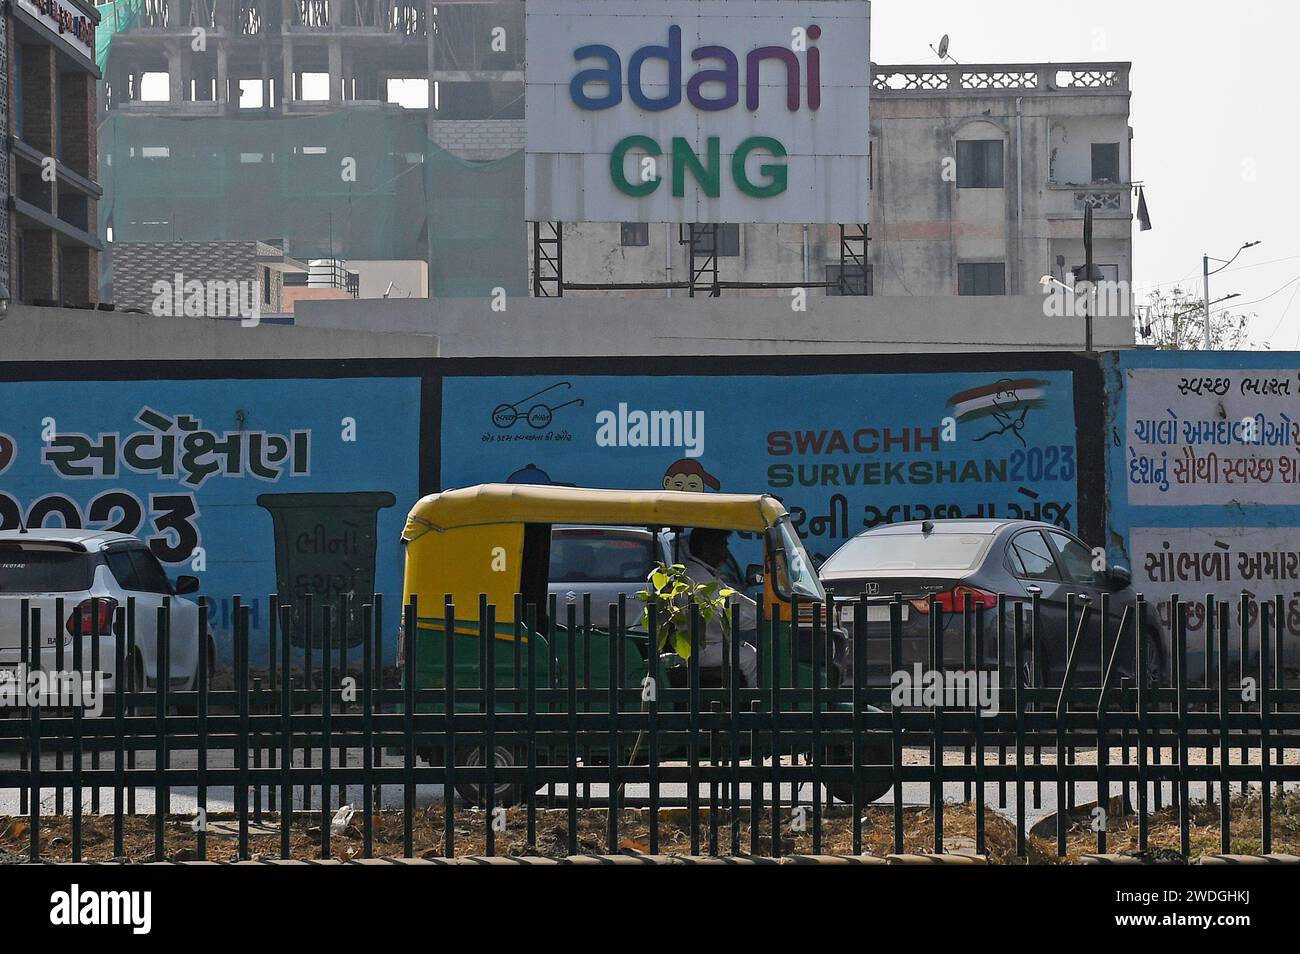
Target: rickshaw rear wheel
(474,792)
(868,791)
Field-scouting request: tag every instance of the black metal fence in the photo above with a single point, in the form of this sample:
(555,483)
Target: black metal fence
(324,723)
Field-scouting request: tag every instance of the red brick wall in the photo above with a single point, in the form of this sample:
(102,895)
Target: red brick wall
(38,95)
(77,113)
(80,275)
(39,268)
(77,118)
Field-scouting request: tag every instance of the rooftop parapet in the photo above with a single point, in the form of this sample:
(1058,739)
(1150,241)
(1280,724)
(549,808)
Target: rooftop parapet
(1018,78)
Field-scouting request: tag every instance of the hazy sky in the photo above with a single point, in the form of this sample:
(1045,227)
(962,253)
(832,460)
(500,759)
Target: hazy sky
(1216,95)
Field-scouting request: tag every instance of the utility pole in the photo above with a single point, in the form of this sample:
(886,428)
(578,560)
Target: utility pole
(1205,269)
(1205,266)
(1086,279)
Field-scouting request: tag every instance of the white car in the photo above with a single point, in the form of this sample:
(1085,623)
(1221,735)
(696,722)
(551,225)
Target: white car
(44,566)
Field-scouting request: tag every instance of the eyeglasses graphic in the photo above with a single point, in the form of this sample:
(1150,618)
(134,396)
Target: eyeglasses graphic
(538,415)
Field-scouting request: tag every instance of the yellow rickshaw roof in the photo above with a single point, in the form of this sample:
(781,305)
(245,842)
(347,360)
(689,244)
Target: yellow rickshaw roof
(527,503)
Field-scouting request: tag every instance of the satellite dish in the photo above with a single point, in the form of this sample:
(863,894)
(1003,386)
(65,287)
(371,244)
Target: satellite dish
(943,47)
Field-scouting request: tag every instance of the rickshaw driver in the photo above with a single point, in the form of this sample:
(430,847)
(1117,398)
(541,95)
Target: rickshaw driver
(708,552)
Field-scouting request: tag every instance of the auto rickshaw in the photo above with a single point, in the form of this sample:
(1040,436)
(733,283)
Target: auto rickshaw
(483,552)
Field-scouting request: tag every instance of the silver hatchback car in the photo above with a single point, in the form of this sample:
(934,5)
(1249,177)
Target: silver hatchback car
(72,576)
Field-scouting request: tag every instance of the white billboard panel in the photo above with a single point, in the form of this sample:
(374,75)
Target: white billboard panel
(1210,437)
(750,111)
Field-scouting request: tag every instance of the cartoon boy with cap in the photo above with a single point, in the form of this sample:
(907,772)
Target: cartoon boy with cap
(688,475)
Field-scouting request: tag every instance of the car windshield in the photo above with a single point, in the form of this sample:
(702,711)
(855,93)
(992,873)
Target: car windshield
(795,574)
(31,568)
(584,555)
(878,552)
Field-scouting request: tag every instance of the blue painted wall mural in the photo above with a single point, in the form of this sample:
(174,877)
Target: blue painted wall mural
(845,452)
(299,485)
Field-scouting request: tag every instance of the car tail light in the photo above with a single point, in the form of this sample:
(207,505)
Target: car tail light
(90,622)
(954,600)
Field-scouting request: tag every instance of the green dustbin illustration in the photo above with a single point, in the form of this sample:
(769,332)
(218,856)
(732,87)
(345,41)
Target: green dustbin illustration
(325,549)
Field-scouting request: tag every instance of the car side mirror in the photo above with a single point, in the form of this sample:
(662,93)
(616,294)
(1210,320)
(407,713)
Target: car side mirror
(185,585)
(1120,577)
(754,575)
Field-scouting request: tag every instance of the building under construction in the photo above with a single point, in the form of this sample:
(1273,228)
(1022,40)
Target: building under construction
(376,130)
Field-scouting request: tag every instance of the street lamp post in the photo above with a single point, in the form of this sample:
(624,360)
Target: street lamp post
(1084,290)
(1205,266)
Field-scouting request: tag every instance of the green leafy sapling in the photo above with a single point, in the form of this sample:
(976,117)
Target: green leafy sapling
(674,593)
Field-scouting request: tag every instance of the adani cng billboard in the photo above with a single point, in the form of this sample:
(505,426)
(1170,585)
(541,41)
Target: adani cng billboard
(744,111)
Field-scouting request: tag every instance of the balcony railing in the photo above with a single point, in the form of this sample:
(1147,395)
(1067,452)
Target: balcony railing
(1102,199)
(1069,200)
(1019,77)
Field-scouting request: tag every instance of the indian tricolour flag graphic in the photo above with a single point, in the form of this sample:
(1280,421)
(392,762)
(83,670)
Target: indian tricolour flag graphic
(998,397)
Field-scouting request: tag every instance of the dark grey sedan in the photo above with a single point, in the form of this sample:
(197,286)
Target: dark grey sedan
(980,559)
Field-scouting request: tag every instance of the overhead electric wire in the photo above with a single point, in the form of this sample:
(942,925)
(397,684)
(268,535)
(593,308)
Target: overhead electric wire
(1260,301)
(1286,311)
(1242,268)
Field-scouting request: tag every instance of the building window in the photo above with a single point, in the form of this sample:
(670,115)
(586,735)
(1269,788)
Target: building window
(1105,162)
(979,164)
(635,234)
(849,279)
(266,286)
(976,279)
(251,93)
(728,240)
(1110,273)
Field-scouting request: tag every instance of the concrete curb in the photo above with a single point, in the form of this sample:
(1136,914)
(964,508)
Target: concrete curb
(836,860)
(651,861)
(741,861)
(1121,860)
(1248,860)
(621,861)
(959,861)
(509,861)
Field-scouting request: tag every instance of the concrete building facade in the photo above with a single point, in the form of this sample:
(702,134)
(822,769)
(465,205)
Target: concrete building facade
(263,57)
(981,175)
(257,81)
(49,252)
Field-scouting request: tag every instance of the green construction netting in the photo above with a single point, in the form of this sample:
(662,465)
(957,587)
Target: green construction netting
(476,220)
(359,184)
(115,17)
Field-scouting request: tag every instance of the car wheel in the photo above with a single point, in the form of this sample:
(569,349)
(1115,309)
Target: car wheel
(867,792)
(505,794)
(1007,676)
(1155,659)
